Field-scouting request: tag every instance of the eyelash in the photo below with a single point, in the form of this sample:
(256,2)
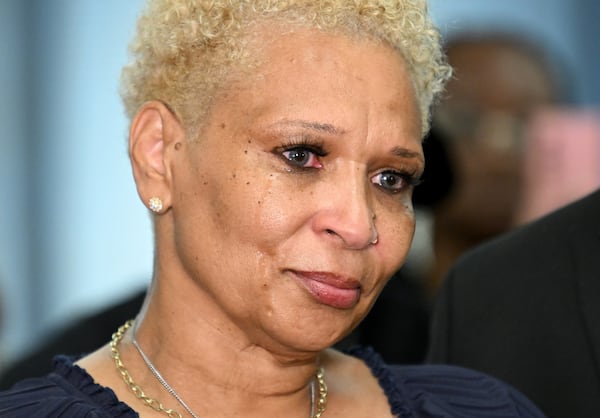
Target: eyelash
(408,178)
(301,145)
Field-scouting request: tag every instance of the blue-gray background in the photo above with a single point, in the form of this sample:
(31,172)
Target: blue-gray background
(73,234)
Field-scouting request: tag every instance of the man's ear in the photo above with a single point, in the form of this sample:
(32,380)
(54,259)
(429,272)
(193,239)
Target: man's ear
(153,129)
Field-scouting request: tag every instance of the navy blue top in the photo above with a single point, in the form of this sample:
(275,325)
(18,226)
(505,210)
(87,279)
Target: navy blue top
(412,391)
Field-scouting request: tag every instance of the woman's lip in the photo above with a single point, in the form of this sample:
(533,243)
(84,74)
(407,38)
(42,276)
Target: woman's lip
(330,289)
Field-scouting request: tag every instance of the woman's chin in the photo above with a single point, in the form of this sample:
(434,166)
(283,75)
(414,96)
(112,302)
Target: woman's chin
(312,340)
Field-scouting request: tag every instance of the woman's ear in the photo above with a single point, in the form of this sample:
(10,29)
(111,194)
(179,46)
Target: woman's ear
(153,129)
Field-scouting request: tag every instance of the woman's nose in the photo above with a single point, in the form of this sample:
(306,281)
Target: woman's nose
(347,215)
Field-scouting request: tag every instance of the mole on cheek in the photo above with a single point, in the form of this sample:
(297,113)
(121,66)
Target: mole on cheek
(177,146)
(223,126)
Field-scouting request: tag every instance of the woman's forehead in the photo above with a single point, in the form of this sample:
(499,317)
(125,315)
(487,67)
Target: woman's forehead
(307,73)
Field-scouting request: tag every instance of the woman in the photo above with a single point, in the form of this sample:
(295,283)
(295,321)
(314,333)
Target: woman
(277,144)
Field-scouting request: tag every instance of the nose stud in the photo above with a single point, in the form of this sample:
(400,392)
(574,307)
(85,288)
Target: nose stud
(375,238)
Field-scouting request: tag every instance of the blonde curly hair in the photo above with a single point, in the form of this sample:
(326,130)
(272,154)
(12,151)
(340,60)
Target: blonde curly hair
(184,49)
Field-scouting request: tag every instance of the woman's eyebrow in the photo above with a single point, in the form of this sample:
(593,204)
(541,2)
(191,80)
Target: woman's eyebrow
(407,153)
(314,126)
(331,129)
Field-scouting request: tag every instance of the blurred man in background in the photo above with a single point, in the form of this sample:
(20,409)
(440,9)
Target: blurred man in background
(499,82)
(524,307)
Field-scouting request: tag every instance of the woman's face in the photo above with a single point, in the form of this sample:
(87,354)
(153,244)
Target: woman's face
(275,205)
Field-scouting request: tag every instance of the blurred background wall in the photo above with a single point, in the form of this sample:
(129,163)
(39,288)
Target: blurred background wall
(73,234)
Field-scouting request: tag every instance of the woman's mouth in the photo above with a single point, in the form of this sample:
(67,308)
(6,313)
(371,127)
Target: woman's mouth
(330,289)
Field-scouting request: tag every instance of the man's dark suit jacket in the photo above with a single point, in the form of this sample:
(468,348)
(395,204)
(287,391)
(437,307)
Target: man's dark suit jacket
(526,308)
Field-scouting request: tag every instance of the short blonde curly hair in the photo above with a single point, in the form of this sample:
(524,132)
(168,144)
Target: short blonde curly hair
(184,49)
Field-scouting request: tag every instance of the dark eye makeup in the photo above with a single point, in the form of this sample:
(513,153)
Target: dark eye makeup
(395,181)
(305,153)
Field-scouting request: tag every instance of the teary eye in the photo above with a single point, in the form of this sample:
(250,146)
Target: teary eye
(394,181)
(300,157)
(303,157)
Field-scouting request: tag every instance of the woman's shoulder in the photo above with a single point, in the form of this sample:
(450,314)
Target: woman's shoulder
(68,391)
(445,391)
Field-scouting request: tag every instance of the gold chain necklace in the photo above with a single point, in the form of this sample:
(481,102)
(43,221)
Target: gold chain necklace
(316,410)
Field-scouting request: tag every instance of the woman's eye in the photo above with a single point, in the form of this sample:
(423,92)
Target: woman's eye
(391,181)
(302,157)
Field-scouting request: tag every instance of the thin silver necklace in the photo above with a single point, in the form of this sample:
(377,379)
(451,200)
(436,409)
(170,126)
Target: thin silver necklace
(159,377)
(175,395)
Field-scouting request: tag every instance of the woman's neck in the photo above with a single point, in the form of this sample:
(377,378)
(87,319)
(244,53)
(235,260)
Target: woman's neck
(204,349)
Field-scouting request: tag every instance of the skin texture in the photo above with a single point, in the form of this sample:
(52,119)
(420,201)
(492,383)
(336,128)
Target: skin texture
(246,236)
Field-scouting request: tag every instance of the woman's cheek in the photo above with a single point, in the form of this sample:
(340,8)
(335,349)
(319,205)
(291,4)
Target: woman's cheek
(267,215)
(396,240)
